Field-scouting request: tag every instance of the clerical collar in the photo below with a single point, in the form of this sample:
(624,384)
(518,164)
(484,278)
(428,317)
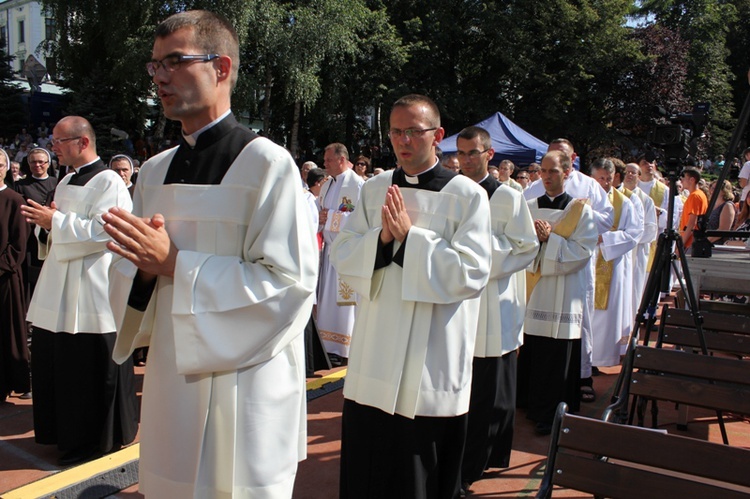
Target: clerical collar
(553,198)
(414,179)
(78,169)
(2,187)
(485,178)
(192,139)
(40,178)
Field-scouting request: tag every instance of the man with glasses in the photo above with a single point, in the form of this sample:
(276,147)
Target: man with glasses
(39,187)
(83,402)
(503,305)
(223,266)
(337,302)
(505,170)
(417,250)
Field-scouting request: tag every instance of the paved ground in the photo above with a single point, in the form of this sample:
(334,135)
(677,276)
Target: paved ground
(23,462)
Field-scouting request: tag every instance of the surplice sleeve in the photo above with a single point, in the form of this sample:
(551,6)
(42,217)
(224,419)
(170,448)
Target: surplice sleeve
(616,243)
(560,256)
(77,234)
(514,241)
(231,312)
(447,269)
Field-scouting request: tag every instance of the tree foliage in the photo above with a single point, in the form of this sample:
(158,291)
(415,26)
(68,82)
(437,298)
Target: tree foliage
(314,71)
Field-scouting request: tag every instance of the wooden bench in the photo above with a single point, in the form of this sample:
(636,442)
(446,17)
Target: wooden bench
(723,332)
(711,382)
(620,461)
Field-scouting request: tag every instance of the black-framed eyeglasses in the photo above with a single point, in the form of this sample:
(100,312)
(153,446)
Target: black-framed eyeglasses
(360,163)
(42,162)
(396,133)
(173,62)
(474,153)
(533,171)
(55,142)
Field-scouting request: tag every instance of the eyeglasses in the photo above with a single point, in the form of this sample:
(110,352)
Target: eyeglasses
(522,178)
(360,163)
(55,142)
(632,173)
(173,62)
(473,154)
(396,133)
(38,162)
(533,171)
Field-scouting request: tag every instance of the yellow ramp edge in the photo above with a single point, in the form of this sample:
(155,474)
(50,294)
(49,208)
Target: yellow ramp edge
(66,478)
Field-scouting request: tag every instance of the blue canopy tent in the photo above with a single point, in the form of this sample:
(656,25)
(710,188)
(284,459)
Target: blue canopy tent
(509,141)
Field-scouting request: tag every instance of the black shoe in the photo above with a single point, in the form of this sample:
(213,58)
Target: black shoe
(76,456)
(543,428)
(464,491)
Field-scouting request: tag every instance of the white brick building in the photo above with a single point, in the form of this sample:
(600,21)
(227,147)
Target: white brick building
(24,26)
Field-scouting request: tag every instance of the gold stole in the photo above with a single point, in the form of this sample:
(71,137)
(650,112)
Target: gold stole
(564,228)
(657,194)
(604,269)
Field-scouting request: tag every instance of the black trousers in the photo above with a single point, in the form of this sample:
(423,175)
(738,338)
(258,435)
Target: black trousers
(82,398)
(394,457)
(549,371)
(492,412)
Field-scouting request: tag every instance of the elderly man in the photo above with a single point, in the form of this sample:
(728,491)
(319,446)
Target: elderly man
(14,350)
(83,402)
(223,265)
(337,302)
(503,306)
(580,186)
(417,250)
(39,187)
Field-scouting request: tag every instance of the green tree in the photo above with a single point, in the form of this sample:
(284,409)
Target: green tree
(705,23)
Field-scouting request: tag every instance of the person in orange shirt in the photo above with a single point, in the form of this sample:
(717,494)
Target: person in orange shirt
(695,205)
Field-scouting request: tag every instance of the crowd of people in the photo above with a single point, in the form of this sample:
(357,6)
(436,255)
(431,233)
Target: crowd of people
(454,290)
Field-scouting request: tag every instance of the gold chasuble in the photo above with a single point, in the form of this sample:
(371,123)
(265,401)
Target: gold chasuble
(657,194)
(605,268)
(564,228)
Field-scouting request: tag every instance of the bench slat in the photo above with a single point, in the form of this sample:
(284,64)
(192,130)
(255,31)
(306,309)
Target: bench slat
(688,364)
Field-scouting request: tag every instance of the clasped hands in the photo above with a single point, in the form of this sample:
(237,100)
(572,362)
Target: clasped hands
(543,230)
(396,221)
(143,241)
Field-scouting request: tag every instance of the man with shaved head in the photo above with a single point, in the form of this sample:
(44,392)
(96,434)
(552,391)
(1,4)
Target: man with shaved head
(83,402)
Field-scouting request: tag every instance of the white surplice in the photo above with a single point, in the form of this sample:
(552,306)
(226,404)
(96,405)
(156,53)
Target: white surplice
(614,323)
(413,341)
(641,251)
(224,410)
(503,302)
(556,304)
(72,291)
(335,319)
(581,186)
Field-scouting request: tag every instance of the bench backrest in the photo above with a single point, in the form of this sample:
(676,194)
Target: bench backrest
(698,380)
(640,463)
(723,332)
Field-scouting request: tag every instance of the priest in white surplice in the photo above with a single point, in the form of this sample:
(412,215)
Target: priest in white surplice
(337,301)
(557,282)
(503,306)
(613,301)
(581,186)
(417,249)
(223,267)
(650,231)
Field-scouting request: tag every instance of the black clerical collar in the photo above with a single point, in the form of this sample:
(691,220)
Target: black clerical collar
(84,168)
(432,179)
(557,203)
(210,133)
(192,138)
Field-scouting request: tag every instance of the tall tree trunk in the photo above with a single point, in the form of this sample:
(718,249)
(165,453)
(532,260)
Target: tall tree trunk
(294,140)
(267,103)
